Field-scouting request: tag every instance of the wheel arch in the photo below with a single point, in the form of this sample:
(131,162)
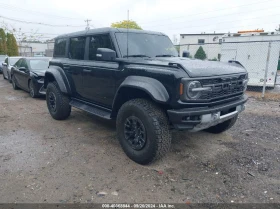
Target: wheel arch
(55,73)
(139,87)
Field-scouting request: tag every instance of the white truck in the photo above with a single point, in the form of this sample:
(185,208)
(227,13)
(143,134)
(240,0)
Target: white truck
(256,52)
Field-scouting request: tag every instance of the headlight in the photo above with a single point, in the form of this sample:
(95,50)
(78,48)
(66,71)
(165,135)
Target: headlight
(192,88)
(245,83)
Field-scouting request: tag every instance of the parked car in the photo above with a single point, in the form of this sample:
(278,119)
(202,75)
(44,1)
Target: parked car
(28,74)
(2,58)
(136,78)
(7,66)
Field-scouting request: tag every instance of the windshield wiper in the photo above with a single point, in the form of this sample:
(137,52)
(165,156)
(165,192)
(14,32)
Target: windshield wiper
(166,55)
(137,55)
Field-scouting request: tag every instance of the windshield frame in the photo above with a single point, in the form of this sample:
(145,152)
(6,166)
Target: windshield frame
(123,54)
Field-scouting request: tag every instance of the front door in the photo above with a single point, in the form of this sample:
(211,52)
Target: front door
(22,77)
(99,76)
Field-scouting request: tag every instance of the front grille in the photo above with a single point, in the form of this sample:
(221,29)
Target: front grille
(223,87)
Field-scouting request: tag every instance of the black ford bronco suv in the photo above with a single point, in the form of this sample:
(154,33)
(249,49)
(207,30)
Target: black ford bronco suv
(137,78)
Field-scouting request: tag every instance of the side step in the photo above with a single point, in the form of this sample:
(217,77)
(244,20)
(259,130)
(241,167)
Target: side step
(91,108)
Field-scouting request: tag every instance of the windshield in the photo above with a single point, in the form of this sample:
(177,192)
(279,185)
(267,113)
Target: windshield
(13,60)
(145,45)
(39,64)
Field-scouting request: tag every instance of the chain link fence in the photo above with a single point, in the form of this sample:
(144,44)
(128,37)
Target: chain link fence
(260,58)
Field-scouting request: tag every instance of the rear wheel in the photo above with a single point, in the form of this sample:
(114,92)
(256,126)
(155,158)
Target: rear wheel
(57,102)
(221,127)
(15,87)
(143,131)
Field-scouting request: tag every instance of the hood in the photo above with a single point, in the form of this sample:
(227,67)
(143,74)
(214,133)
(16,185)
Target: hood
(199,68)
(39,72)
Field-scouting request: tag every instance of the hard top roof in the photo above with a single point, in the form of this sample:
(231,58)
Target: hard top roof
(107,30)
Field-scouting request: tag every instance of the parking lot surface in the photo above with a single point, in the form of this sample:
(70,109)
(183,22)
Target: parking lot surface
(80,159)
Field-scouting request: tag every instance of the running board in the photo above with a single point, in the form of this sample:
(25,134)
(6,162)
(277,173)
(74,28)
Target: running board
(92,109)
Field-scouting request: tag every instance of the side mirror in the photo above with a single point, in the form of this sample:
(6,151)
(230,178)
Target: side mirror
(105,54)
(186,54)
(23,69)
(4,64)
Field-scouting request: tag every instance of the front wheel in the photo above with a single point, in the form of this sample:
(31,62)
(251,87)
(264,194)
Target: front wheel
(58,103)
(14,83)
(32,90)
(143,131)
(221,127)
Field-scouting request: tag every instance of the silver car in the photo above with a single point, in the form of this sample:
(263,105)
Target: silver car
(7,65)
(2,58)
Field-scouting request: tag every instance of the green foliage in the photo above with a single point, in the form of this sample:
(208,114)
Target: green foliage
(200,54)
(126,24)
(3,45)
(12,47)
(214,59)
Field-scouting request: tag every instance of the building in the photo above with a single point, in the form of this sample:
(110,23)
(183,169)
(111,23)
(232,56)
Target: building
(30,49)
(210,42)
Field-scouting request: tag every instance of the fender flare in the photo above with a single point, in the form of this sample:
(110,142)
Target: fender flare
(151,86)
(57,73)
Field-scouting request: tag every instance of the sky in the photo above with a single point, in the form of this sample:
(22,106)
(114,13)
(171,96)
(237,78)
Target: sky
(172,17)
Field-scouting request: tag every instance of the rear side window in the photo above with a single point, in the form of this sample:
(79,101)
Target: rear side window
(77,48)
(60,47)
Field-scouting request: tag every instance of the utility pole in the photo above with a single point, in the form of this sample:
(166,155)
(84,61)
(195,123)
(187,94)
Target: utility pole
(87,21)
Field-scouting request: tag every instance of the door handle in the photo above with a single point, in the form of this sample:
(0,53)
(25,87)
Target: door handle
(86,71)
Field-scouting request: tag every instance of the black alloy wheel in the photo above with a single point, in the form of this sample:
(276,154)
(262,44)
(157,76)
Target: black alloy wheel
(135,133)
(52,101)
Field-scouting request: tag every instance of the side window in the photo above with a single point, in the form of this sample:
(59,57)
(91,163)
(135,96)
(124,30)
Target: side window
(201,41)
(17,64)
(99,41)
(24,64)
(77,48)
(7,61)
(60,47)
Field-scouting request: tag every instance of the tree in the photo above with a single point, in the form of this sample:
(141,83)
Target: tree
(200,54)
(12,47)
(3,44)
(126,24)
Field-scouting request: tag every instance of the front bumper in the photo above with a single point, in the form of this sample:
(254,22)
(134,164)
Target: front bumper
(196,119)
(40,86)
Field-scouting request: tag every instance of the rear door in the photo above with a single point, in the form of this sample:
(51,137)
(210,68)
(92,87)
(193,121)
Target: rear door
(73,65)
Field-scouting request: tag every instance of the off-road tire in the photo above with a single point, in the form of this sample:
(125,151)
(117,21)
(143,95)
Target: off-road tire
(62,108)
(14,83)
(154,119)
(221,127)
(33,91)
